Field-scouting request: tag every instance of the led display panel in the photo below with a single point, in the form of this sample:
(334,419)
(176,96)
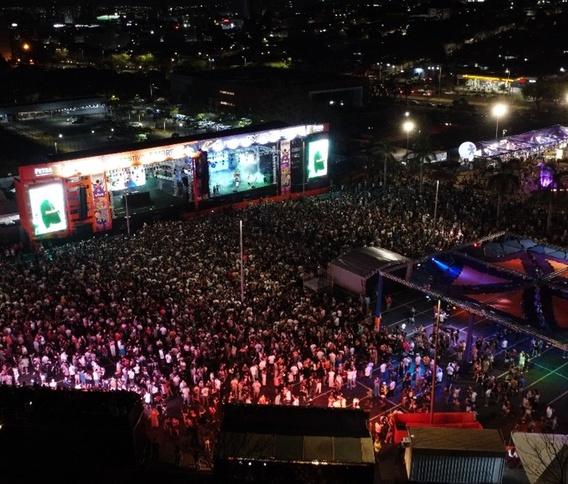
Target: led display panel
(317,158)
(47,203)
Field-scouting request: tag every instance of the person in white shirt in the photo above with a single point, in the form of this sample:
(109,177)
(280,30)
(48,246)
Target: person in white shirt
(351,378)
(338,381)
(331,378)
(383,370)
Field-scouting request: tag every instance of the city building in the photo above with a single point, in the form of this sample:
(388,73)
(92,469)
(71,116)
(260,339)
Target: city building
(246,89)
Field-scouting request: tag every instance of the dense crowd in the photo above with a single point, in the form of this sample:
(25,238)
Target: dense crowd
(160,312)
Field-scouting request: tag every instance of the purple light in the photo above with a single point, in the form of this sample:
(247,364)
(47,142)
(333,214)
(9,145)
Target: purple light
(546,174)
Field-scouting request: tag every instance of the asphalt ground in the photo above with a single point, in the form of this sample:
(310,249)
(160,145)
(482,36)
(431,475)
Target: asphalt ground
(548,373)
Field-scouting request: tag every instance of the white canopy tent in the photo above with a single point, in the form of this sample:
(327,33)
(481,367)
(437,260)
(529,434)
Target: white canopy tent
(353,270)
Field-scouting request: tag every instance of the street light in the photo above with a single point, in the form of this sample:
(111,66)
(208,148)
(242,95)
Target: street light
(436,204)
(55,142)
(407,127)
(498,111)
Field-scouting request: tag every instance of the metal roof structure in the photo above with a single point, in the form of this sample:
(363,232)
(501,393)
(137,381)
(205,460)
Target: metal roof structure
(295,434)
(364,261)
(470,441)
(516,281)
(539,140)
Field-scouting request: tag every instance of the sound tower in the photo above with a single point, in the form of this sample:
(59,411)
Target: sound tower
(83,205)
(83,231)
(202,174)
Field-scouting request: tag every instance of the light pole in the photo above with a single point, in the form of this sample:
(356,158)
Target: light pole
(242,262)
(439,80)
(499,110)
(127,213)
(152,87)
(407,127)
(55,142)
(434,369)
(436,204)
(303,168)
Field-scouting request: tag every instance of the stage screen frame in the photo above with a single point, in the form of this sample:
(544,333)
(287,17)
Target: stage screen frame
(52,195)
(320,148)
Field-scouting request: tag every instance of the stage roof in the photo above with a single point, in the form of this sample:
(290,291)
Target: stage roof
(516,281)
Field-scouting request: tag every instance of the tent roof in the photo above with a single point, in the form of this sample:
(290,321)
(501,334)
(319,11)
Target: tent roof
(543,455)
(486,441)
(295,434)
(366,260)
(525,141)
(290,420)
(317,284)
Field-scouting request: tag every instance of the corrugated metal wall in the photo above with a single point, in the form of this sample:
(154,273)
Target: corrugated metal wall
(456,469)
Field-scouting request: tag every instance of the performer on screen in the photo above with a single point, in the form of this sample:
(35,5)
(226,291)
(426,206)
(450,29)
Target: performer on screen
(49,214)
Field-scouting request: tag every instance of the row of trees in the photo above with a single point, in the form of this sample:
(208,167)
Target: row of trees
(543,90)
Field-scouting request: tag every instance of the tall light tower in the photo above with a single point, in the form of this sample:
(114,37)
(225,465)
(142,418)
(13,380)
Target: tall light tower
(407,127)
(499,110)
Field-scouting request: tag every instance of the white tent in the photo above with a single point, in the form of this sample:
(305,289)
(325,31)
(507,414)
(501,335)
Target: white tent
(352,270)
(544,456)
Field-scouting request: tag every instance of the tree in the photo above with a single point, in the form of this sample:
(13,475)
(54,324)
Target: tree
(145,61)
(544,456)
(120,61)
(61,54)
(382,150)
(503,182)
(446,172)
(540,91)
(406,90)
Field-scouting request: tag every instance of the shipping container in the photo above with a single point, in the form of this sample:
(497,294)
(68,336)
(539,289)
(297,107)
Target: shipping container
(454,455)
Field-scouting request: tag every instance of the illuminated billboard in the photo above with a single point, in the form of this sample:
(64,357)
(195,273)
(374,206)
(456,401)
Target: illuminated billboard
(317,158)
(47,203)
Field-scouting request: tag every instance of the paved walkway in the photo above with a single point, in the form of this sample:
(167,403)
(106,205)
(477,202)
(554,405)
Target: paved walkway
(548,373)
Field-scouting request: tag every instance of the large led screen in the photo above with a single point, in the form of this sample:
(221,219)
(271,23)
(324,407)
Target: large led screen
(126,178)
(241,169)
(47,204)
(317,158)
